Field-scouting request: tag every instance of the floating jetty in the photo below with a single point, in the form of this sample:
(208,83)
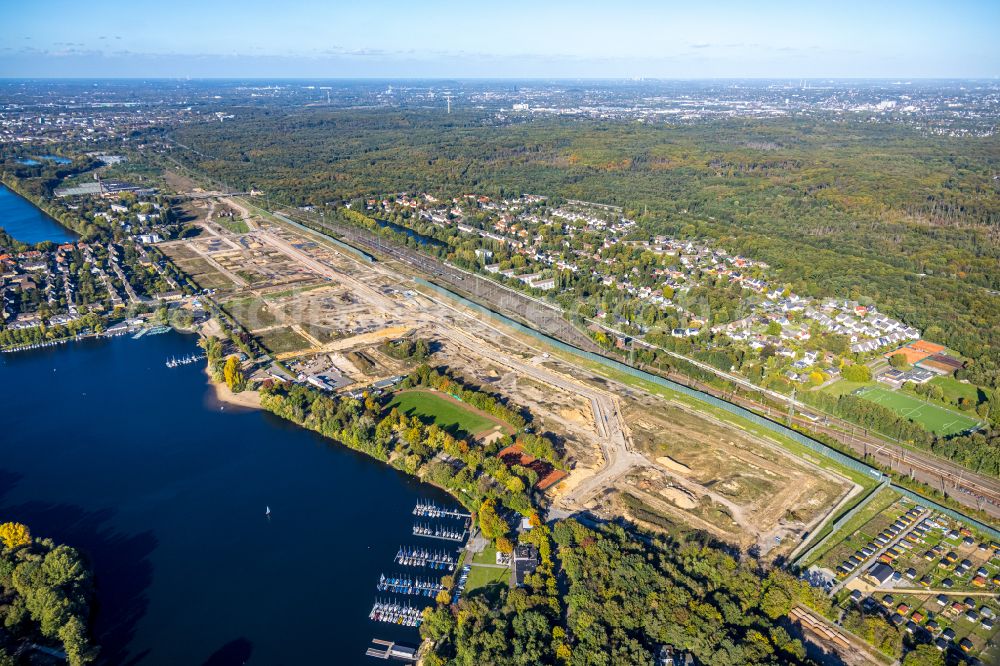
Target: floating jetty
(155,330)
(422,557)
(432,510)
(61,341)
(416,587)
(38,345)
(184,360)
(438,532)
(390,650)
(392,612)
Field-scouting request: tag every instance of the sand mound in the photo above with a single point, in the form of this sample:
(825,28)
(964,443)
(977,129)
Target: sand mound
(681,498)
(492,436)
(670,463)
(573,416)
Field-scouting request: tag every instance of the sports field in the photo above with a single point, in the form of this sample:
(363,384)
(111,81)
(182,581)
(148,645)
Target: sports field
(939,420)
(448,413)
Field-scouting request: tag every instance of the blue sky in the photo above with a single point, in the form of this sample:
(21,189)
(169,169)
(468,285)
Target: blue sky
(395,38)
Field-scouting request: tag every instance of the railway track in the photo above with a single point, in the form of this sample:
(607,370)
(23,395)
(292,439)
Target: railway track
(966,487)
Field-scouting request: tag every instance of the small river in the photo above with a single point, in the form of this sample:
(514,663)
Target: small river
(26,223)
(104,448)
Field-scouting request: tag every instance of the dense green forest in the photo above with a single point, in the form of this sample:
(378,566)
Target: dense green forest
(600,596)
(45,592)
(624,598)
(856,210)
(474,474)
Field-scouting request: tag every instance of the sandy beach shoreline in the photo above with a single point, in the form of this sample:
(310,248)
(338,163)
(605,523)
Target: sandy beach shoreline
(220,394)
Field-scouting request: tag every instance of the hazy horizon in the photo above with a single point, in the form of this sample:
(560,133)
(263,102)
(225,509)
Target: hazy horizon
(902,80)
(390,39)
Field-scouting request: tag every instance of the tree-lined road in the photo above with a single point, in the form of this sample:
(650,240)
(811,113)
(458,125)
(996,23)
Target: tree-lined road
(966,487)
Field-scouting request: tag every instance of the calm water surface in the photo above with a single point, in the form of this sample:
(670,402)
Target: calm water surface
(26,223)
(104,448)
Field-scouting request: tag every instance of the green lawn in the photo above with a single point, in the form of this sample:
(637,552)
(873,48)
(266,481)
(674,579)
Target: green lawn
(937,419)
(235,225)
(954,389)
(252,312)
(864,527)
(483,576)
(487,556)
(281,340)
(883,499)
(432,407)
(843,387)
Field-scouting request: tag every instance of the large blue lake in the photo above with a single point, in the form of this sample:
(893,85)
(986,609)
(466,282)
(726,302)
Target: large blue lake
(26,223)
(104,448)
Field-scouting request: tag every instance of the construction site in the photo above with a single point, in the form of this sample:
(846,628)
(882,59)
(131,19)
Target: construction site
(324,312)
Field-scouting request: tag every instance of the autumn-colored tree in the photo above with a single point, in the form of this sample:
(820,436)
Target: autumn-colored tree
(431,659)
(857,373)
(233,374)
(924,655)
(504,545)
(490,521)
(14,535)
(898,361)
(74,638)
(212,346)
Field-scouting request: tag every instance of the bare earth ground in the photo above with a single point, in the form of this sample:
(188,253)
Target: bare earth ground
(318,307)
(739,484)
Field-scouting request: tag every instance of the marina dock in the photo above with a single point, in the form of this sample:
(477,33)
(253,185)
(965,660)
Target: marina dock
(155,330)
(61,341)
(398,608)
(422,557)
(417,587)
(438,532)
(184,360)
(431,510)
(392,612)
(391,650)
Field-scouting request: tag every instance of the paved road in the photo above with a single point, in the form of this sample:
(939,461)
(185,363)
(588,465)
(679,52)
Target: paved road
(966,486)
(619,458)
(531,311)
(969,488)
(864,566)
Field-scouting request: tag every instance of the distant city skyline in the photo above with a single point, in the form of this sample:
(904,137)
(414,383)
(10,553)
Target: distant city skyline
(516,39)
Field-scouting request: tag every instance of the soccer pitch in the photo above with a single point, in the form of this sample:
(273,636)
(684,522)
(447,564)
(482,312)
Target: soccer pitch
(448,413)
(939,420)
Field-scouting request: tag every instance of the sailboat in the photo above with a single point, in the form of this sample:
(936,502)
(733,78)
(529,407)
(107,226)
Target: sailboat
(267,511)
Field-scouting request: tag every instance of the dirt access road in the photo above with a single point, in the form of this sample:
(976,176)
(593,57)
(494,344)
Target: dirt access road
(619,457)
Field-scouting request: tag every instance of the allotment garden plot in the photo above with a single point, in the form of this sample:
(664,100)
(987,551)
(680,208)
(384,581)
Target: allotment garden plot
(927,573)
